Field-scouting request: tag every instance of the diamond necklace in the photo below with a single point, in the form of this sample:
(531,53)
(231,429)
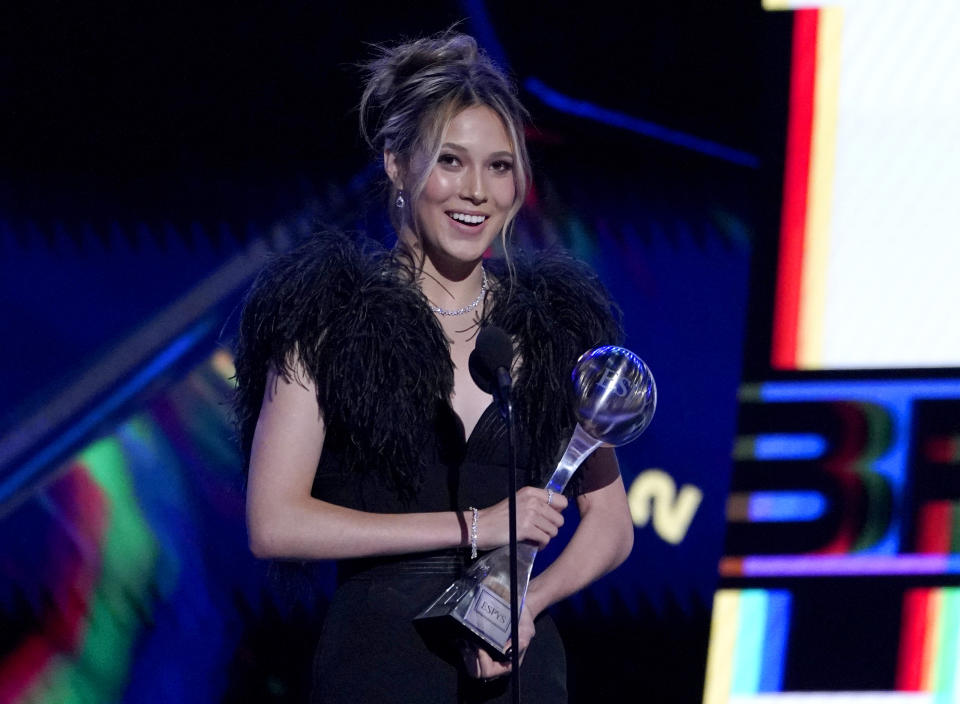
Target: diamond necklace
(470,306)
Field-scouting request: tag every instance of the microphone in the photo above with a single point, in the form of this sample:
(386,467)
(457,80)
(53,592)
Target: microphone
(490,365)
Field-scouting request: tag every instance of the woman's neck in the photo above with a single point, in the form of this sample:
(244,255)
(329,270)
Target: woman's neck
(448,285)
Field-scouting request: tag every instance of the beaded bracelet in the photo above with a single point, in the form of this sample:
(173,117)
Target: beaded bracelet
(474,532)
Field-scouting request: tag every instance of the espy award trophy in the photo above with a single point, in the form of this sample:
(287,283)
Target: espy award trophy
(616,397)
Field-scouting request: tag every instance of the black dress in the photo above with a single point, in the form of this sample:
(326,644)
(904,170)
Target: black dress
(370,649)
(382,371)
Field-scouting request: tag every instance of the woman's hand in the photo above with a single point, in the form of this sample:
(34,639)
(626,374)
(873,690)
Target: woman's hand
(539,518)
(480,664)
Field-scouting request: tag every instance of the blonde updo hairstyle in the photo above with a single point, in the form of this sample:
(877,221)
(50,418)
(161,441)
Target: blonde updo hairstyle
(412,92)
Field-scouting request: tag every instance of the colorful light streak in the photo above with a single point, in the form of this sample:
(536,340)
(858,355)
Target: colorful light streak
(930,628)
(816,243)
(614,118)
(789,446)
(785,506)
(748,643)
(870,129)
(134,611)
(838,565)
(834,698)
(883,391)
(796,180)
(85,653)
(937,527)
(47,456)
(807,189)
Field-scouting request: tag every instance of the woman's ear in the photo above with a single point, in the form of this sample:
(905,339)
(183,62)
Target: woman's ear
(392,168)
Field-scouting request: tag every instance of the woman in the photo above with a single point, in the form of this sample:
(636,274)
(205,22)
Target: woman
(369,442)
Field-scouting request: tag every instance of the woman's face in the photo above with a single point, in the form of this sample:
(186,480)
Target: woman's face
(470,190)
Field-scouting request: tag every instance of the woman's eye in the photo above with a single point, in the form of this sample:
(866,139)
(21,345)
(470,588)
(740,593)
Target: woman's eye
(449,160)
(502,165)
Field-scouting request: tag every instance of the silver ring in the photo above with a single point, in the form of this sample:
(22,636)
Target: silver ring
(549,497)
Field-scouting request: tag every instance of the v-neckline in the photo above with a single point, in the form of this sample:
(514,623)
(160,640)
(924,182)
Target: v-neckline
(492,406)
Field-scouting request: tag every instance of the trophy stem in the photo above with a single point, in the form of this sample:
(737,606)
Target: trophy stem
(578,449)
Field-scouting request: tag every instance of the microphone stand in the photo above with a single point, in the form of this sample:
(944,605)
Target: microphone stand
(506,410)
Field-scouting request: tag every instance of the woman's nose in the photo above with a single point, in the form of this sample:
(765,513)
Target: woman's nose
(474,189)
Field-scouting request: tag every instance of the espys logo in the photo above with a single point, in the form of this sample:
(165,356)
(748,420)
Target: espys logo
(611,378)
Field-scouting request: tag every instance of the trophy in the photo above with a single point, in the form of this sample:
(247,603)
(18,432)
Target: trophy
(615,400)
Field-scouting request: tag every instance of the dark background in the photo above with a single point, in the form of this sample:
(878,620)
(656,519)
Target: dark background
(135,125)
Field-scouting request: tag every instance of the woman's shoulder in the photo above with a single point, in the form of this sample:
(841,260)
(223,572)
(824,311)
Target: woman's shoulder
(557,289)
(346,312)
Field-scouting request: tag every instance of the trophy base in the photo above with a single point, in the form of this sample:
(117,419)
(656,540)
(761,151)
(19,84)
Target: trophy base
(476,607)
(480,600)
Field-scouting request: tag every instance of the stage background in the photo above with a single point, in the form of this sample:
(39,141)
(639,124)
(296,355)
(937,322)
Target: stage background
(155,156)
(839,576)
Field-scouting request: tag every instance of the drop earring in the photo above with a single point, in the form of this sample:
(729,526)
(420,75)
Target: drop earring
(401,201)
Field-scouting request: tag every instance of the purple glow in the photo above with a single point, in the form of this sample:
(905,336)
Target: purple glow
(844,565)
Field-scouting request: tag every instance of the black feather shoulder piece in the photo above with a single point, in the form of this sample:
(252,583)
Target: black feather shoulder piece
(345,314)
(556,309)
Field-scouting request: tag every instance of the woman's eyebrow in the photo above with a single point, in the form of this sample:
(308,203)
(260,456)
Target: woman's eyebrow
(460,148)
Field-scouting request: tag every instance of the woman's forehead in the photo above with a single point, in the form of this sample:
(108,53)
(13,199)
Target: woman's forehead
(477,128)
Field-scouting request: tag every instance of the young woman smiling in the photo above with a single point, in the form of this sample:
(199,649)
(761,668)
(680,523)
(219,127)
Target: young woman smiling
(368,441)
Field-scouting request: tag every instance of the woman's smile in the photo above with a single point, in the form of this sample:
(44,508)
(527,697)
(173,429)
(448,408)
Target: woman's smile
(471,219)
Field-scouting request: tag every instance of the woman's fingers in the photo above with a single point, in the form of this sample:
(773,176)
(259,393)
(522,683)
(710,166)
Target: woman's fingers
(539,518)
(490,667)
(480,664)
(539,515)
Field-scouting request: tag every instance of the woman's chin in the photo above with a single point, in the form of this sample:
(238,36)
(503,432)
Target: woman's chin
(459,257)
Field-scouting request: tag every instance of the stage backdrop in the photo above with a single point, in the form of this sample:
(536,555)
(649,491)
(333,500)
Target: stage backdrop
(840,576)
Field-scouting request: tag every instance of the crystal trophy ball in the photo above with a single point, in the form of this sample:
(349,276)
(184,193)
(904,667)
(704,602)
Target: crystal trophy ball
(616,394)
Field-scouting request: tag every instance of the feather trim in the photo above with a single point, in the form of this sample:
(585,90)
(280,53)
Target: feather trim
(347,315)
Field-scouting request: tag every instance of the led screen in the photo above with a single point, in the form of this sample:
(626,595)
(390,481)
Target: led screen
(869,233)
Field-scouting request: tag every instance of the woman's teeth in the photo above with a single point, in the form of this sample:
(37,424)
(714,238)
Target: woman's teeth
(468,219)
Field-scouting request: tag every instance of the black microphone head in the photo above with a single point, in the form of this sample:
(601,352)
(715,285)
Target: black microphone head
(492,351)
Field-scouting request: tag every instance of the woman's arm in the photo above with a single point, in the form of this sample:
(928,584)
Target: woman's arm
(602,541)
(285,521)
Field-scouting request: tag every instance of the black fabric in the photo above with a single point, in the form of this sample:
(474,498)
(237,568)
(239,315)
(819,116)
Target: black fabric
(372,651)
(349,316)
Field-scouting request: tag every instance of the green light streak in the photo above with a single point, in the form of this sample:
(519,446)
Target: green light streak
(97,672)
